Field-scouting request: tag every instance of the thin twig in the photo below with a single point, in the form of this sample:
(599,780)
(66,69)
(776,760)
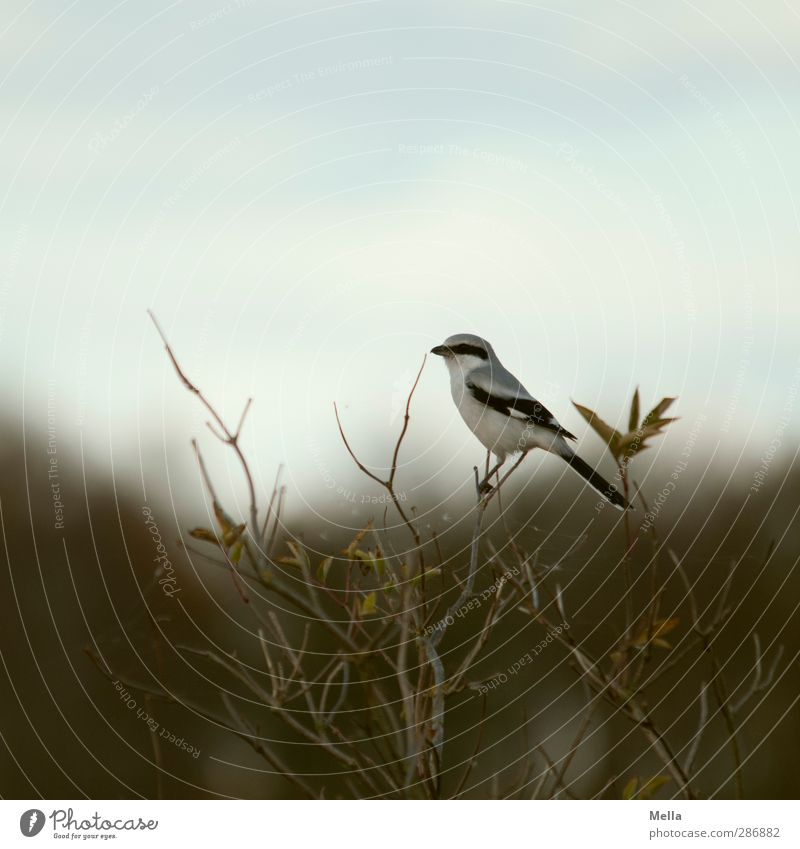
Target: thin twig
(230,438)
(701,727)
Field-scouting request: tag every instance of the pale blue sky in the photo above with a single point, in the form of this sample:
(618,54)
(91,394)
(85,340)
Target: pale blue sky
(311,196)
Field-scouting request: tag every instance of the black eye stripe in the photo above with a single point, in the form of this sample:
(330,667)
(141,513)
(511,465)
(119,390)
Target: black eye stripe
(466,348)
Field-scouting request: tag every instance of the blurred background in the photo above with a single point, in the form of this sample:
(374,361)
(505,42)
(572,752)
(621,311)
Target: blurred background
(309,197)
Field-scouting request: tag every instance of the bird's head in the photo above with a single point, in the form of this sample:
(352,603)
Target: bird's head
(464,352)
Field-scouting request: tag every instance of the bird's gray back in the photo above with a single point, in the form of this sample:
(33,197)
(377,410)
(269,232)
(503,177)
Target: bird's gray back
(499,377)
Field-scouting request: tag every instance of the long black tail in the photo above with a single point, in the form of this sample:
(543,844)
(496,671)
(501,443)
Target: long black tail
(606,489)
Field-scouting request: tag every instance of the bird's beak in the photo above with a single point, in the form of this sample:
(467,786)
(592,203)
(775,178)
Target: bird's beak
(441,351)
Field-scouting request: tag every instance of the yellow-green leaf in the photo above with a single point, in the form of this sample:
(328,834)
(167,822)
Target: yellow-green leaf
(635,441)
(631,444)
(299,556)
(663,405)
(232,535)
(236,552)
(204,534)
(633,420)
(608,434)
(323,569)
(629,791)
(657,424)
(223,519)
(369,605)
(650,787)
(352,548)
(429,573)
(660,628)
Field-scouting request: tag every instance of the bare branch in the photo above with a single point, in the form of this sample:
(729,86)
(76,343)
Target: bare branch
(350,451)
(701,727)
(226,435)
(406,418)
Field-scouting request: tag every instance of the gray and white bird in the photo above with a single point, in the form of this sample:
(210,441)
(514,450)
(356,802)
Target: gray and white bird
(504,416)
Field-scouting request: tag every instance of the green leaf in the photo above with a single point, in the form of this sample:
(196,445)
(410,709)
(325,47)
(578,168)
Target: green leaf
(299,556)
(659,424)
(608,434)
(663,405)
(232,535)
(369,561)
(656,635)
(633,421)
(236,552)
(204,534)
(650,787)
(629,791)
(636,441)
(351,549)
(323,569)
(223,519)
(369,605)
(631,444)
(429,573)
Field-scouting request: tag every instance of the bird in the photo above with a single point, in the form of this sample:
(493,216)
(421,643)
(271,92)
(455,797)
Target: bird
(504,416)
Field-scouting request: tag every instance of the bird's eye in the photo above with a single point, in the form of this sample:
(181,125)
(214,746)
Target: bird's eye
(464,348)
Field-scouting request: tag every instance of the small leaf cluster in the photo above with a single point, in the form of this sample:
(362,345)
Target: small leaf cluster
(624,446)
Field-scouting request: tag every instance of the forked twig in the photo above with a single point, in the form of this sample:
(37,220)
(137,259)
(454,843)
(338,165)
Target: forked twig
(227,436)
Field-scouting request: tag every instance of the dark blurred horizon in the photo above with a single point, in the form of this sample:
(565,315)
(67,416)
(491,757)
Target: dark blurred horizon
(64,723)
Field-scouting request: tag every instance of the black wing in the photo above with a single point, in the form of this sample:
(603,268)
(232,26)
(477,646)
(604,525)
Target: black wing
(528,409)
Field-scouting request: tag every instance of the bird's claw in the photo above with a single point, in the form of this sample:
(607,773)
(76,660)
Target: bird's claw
(485,487)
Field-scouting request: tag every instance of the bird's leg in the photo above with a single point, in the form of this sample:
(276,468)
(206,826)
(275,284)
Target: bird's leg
(499,500)
(485,486)
(486,468)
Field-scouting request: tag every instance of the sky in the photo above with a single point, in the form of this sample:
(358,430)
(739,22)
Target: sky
(309,196)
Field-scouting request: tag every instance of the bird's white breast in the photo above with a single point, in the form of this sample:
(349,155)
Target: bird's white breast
(496,431)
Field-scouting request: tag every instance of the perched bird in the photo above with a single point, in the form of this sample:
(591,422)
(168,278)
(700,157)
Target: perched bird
(504,416)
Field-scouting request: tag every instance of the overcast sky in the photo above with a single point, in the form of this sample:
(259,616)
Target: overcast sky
(310,196)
